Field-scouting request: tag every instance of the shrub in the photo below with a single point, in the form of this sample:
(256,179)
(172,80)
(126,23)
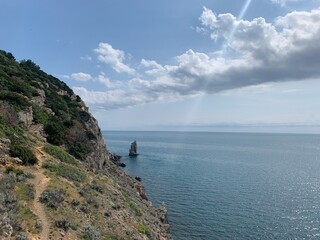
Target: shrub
(66,171)
(64,224)
(24,153)
(75,202)
(91,233)
(78,149)
(19,101)
(96,186)
(52,197)
(85,208)
(55,131)
(60,154)
(39,115)
(21,237)
(17,171)
(92,201)
(143,229)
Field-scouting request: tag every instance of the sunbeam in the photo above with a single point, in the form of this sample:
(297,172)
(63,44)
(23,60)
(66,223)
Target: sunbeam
(240,17)
(198,101)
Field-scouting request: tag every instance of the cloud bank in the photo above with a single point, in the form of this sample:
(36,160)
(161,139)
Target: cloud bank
(254,52)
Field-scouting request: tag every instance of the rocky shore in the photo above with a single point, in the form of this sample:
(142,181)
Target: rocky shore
(57,178)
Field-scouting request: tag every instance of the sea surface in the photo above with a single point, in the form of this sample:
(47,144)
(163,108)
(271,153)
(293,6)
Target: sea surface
(229,185)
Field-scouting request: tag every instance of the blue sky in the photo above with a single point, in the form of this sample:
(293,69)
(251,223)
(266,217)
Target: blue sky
(244,65)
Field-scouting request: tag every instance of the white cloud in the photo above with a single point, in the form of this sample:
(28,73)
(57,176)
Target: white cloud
(150,63)
(102,78)
(86,58)
(114,57)
(283,2)
(287,49)
(82,77)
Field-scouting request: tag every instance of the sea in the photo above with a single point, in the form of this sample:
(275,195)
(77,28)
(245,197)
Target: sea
(229,185)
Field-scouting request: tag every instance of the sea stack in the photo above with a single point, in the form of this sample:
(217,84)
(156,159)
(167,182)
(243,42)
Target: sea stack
(133,150)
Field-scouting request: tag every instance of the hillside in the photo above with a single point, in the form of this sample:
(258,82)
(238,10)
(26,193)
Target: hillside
(57,178)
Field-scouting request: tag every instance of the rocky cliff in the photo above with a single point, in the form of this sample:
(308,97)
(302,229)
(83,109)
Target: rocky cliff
(57,178)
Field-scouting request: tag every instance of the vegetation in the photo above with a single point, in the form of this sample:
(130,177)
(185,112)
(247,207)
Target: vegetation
(19,101)
(25,191)
(60,154)
(63,223)
(17,171)
(21,81)
(52,197)
(9,206)
(91,233)
(66,171)
(143,229)
(39,115)
(133,206)
(24,153)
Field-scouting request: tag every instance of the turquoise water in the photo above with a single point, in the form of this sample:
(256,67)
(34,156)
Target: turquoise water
(229,185)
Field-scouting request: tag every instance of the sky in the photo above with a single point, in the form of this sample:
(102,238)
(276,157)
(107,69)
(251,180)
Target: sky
(232,65)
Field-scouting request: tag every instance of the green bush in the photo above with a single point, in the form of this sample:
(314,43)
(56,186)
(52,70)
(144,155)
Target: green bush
(60,154)
(24,153)
(19,101)
(91,233)
(78,149)
(56,132)
(66,171)
(52,197)
(39,115)
(63,223)
(143,229)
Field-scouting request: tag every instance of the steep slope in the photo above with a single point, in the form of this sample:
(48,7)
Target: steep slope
(57,178)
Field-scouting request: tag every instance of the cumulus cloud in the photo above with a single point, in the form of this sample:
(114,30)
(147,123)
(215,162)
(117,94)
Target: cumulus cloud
(256,52)
(114,57)
(82,77)
(101,78)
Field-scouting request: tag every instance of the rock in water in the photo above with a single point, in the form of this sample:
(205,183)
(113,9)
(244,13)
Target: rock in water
(133,150)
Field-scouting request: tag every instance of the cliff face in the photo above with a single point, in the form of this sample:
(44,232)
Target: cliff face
(57,180)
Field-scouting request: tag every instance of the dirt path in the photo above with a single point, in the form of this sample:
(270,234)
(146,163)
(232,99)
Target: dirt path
(40,183)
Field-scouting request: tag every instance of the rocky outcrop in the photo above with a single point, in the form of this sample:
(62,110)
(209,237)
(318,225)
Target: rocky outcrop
(141,191)
(39,100)
(26,117)
(133,152)
(99,157)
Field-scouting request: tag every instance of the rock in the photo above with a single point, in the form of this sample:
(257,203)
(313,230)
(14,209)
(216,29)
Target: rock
(26,117)
(114,157)
(3,161)
(133,149)
(162,213)
(141,190)
(98,158)
(17,160)
(39,100)
(138,178)
(5,140)
(62,93)
(122,165)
